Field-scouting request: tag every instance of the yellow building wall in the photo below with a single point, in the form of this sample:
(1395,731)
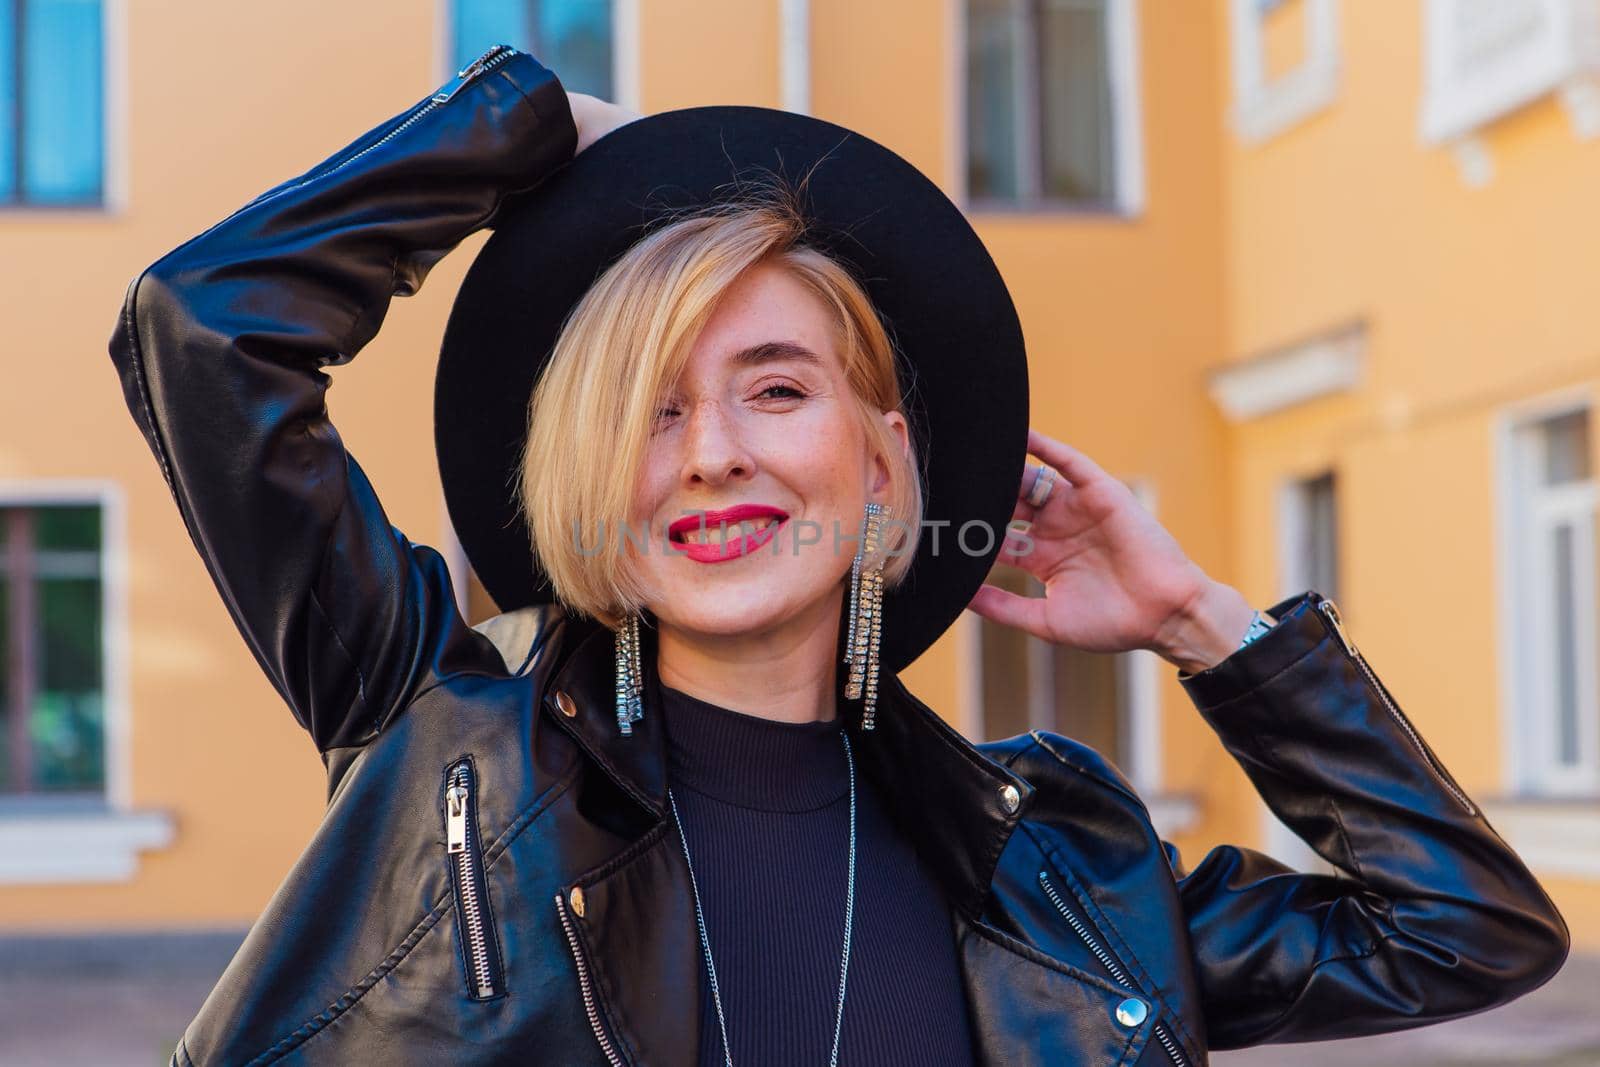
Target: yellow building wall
(1469,295)
(1121,315)
(1473,297)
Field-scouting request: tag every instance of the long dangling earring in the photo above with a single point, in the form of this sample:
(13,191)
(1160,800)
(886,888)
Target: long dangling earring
(630,679)
(866,617)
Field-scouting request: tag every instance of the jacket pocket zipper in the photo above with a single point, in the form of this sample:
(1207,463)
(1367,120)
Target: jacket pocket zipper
(1331,613)
(485,976)
(1109,962)
(586,986)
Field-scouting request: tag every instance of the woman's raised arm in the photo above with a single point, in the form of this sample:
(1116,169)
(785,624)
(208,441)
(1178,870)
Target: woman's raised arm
(221,347)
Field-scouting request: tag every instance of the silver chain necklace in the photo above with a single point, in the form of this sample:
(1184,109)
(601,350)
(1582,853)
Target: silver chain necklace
(849,917)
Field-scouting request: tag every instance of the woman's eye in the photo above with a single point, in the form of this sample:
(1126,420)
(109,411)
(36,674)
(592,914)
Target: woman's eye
(790,390)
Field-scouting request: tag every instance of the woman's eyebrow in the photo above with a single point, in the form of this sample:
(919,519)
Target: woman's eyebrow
(774,350)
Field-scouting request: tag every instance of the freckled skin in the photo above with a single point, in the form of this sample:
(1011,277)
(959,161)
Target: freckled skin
(735,434)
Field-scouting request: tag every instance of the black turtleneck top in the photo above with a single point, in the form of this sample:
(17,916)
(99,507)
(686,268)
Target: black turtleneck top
(765,809)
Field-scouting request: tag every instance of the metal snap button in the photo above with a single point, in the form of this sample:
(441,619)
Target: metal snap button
(1132,1012)
(568,708)
(576,897)
(1010,798)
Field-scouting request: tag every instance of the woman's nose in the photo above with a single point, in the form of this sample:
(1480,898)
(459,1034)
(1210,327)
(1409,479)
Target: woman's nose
(714,449)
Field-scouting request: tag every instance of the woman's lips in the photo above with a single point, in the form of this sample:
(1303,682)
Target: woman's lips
(733,547)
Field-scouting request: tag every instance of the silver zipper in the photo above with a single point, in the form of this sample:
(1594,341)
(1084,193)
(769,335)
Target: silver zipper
(587,987)
(1331,613)
(1110,963)
(490,59)
(458,798)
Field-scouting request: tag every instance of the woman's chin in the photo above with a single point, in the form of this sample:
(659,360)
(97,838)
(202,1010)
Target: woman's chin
(729,613)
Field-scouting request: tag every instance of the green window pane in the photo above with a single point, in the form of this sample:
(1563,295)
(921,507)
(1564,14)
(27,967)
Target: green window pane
(74,526)
(68,723)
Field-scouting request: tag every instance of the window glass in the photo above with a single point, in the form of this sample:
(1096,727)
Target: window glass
(1566,652)
(8,100)
(1006,700)
(61,101)
(52,732)
(67,715)
(1075,101)
(1040,105)
(571,37)
(992,89)
(1567,448)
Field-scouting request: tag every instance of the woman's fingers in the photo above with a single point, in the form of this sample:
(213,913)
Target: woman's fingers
(1074,466)
(1011,609)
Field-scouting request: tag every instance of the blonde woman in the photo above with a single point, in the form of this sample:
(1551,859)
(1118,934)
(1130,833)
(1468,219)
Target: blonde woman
(731,452)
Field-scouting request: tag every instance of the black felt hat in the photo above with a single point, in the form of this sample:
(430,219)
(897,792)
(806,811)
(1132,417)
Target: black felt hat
(959,348)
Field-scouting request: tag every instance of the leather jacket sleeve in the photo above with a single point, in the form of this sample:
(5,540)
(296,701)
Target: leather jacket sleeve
(221,347)
(1431,916)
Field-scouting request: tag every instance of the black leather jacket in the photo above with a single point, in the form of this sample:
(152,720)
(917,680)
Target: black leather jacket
(495,880)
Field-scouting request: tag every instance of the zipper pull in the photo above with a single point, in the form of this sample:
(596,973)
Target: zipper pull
(467,73)
(1331,613)
(456,817)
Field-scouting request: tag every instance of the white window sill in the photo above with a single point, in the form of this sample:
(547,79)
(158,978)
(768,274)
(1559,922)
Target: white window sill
(100,846)
(1552,836)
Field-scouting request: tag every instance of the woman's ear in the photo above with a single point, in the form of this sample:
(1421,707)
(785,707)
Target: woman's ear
(898,431)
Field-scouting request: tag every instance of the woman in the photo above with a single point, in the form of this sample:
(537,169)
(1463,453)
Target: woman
(674,807)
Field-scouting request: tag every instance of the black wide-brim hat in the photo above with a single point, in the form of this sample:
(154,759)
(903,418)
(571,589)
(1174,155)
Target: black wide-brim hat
(959,347)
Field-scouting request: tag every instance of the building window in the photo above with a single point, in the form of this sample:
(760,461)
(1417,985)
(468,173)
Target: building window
(1485,58)
(1052,105)
(52,128)
(1552,497)
(52,651)
(1108,702)
(1310,526)
(1285,63)
(571,37)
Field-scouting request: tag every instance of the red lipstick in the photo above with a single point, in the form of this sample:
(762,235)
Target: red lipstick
(733,547)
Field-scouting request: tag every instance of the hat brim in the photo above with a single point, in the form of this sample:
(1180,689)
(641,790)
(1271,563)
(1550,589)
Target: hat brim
(960,353)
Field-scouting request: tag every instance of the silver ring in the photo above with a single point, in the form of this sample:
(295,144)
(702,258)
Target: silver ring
(1044,483)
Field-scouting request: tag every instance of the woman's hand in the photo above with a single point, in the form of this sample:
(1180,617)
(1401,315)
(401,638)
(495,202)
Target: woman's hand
(595,117)
(1114,578)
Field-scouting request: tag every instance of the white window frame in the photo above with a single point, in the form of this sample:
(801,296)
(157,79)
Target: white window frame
(1264,108)
(624,48)
(43,840)
(1526,513)
(1561,53)
(1127,123)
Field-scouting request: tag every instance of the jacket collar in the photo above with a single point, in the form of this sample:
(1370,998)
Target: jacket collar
(942,792)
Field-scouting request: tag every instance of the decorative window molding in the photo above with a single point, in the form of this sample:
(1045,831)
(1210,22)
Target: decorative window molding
(1310,370)
(1265,107)
(1483,59)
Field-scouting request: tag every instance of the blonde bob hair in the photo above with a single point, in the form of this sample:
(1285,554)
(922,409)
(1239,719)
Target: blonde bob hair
(621,349)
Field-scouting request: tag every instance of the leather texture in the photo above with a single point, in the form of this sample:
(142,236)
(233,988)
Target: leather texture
(1081,937)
